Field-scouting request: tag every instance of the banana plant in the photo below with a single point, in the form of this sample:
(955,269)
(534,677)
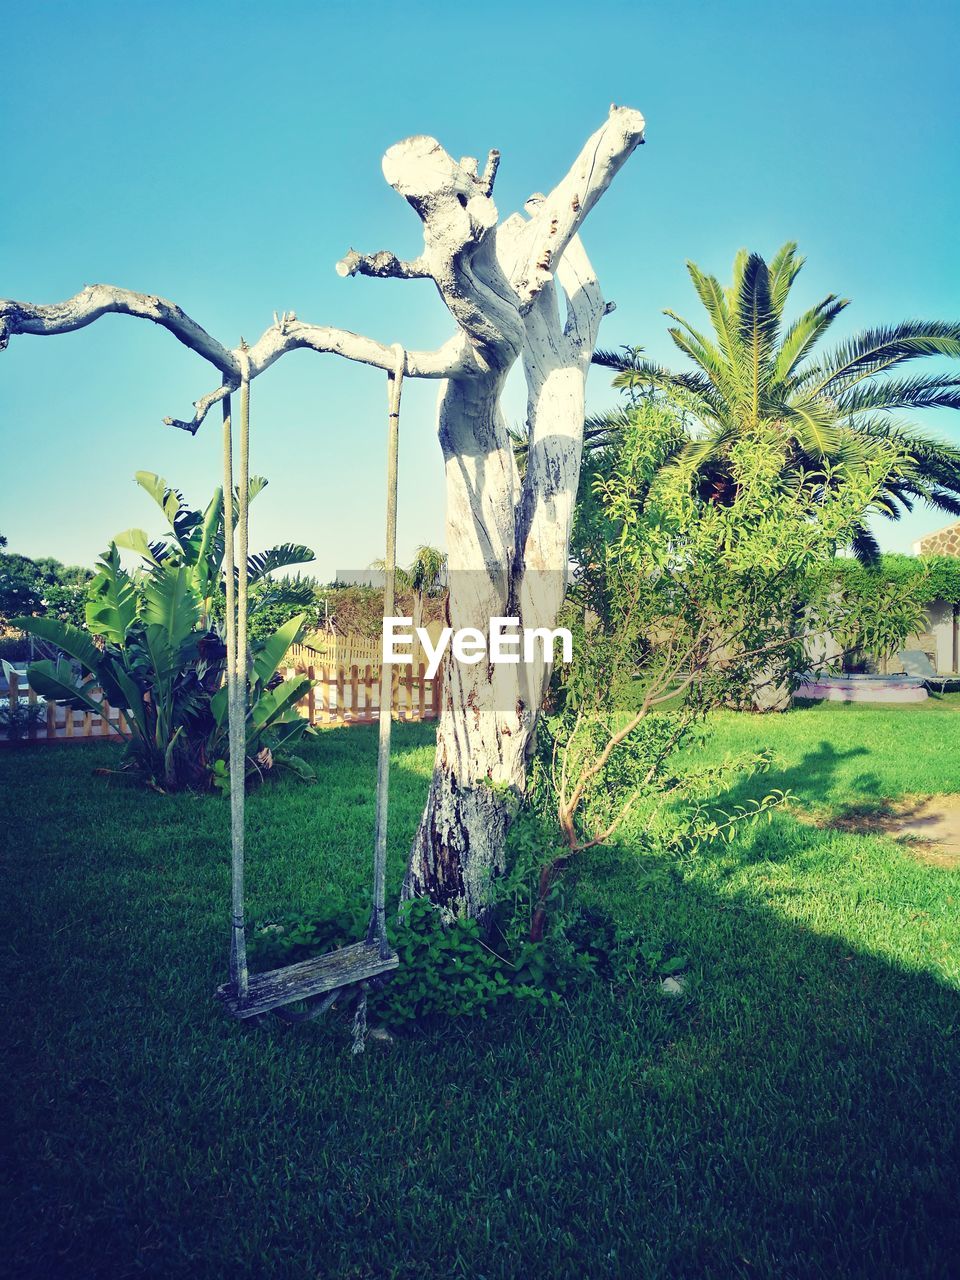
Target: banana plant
(272,720)
(153,666)
(196,539)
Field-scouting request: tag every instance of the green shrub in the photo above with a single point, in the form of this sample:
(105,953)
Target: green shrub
(16,722)
(447,970)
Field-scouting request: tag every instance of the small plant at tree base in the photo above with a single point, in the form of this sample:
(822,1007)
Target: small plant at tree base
(449,969)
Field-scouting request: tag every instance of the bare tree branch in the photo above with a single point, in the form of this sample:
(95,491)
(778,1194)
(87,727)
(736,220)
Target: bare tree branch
(285,334)
(96,300)
(458,214)
(561,213)
(385,265)
(452,358)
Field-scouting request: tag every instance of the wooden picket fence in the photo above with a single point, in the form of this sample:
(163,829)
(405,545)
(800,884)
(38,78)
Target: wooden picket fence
(53,723)
(323,649)
(343,695)
(340,695)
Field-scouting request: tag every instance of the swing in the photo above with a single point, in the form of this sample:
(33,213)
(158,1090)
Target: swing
(350,968)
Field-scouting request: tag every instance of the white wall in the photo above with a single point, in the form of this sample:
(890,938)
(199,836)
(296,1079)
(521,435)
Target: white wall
(940,623)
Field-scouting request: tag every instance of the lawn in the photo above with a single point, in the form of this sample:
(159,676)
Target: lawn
(793,1113)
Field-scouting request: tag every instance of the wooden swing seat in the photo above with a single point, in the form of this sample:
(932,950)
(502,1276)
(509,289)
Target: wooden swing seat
(308,978)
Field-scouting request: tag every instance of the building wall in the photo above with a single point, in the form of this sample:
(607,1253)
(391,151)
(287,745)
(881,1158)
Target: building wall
(938,638)
(942,542)
(940,615)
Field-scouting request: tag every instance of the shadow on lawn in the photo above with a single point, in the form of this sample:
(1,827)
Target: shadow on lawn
(815,1074)
(811,779)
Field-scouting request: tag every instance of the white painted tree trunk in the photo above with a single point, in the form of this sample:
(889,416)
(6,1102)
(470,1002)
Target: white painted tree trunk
(508,547)
(507,540)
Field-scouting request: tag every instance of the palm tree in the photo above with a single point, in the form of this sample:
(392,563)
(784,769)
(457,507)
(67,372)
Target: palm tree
(753,373)
(424,577)
(426,574)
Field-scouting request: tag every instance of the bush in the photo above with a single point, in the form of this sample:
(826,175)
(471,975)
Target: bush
(17,721)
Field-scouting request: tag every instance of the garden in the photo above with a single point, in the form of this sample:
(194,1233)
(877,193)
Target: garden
(571,890)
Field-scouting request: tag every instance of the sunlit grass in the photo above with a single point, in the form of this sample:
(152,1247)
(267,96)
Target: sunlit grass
(792,1114)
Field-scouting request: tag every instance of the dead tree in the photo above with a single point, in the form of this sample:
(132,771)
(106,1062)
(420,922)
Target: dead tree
(507,535)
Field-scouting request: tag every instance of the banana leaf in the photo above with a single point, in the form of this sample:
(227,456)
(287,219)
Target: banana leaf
(167,499)
(111,608)
(274,704)
(57,682)
(74,642)
(268,657)
(138,541)
(170,604)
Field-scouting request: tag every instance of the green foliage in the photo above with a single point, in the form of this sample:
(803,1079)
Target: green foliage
(157,661)
(928,577)
(789,1114)
(164,672)
(274,601)
(692,604)
(14,647)
(196,542)
(17,721)
(43,586)
(426,570)
(20,587)
(754,373)
(448,970)
(358,611)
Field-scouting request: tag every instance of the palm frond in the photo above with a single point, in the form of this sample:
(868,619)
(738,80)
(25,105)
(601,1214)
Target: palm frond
(944,500)
(816,428)
(784,269)
(936,457)
(710,293)
(697,452)
(902,493)
(803,334)
(695,392)
(921,392)
(601,429)
(279,557)
(864,545)
(733,292)
(721,374)
(874,350)
(758,324)
(623,359)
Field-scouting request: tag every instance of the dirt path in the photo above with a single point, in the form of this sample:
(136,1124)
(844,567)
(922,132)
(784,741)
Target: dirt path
(930,825)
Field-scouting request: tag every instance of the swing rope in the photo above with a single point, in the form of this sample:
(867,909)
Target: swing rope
(236,602)
(377,929)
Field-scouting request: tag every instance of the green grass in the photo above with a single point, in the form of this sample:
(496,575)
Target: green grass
(794,1113)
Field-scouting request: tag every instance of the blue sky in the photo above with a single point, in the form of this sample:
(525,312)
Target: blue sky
(226,155)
